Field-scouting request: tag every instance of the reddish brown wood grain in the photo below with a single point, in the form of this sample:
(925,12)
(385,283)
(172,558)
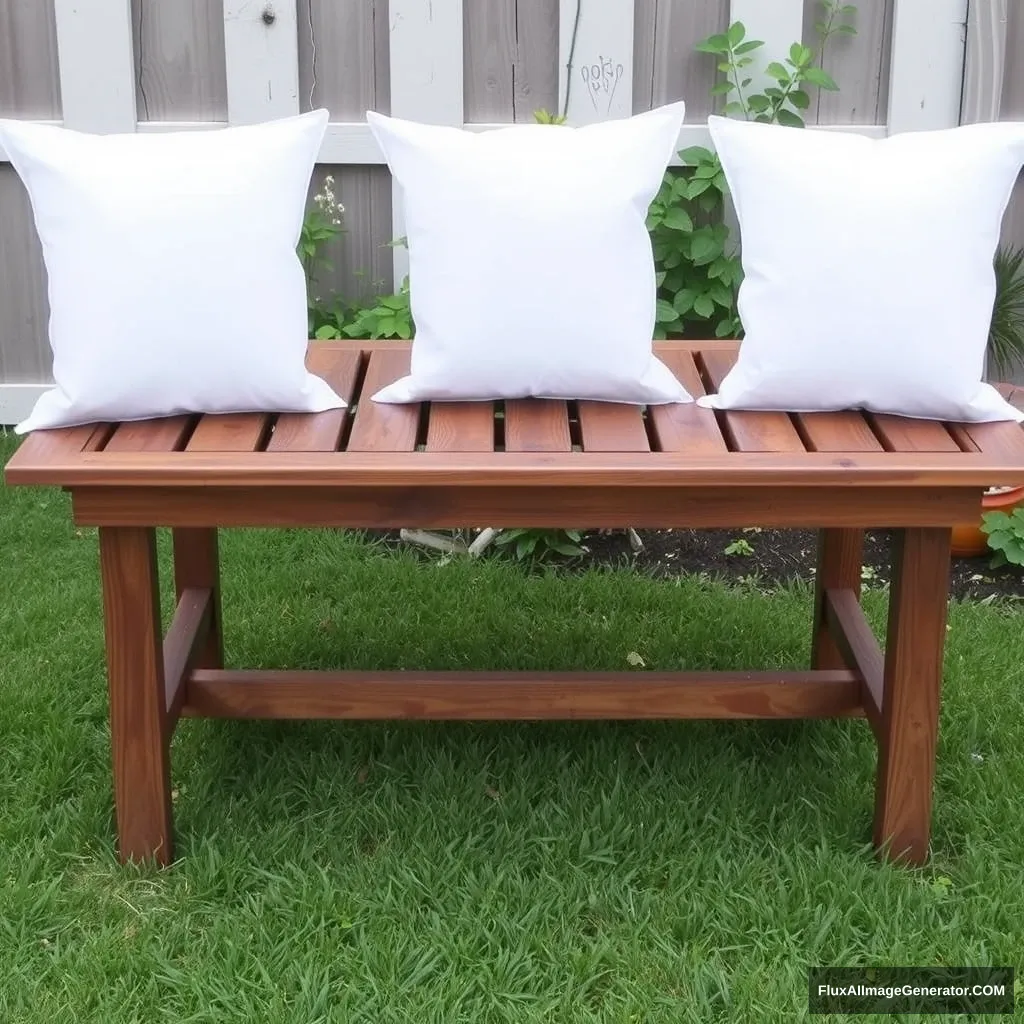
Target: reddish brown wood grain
(197,567)
(901,434)
(840,558)
(230,432)
(751,431)
(686,427)
(860,651)
(910,703)
(378,427)
(537,425)
(522,695)
(838,432)
(461,427)
(159,435)
(611,427)
(139,728)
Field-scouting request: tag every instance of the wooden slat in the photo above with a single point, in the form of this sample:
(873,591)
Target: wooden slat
(838,432)
(461,427)
(611,427)
(855,640)
(159,435)
(537,425)
(1004,440)
(42,446)
(902,434)
(688,427)
(522,695)
(320,432)
(752,431)
(184,643)
(230,432)
(378,427)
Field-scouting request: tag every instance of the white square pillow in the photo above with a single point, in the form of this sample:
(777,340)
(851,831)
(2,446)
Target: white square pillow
(173,280)
(531,268)
(868,267)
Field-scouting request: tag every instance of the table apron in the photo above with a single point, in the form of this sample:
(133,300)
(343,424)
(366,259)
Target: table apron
(579,507)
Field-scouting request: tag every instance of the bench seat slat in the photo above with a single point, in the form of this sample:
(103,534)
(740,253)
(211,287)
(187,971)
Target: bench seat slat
(461,427)
(903,434)
(846,431)
(752,431)
(686,427)
(230,432)
(378,427)
(613,427)
(161,435)
(537,425)
(322,431)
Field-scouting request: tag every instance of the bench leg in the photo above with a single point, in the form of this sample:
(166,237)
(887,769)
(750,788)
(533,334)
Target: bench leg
(139,729)
(197,564)
(840,557)
(910,703)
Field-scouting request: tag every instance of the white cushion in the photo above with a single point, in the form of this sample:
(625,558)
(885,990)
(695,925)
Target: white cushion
(174,284)
(868,267)
(530,265)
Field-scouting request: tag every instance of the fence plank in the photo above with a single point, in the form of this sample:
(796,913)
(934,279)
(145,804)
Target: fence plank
(426,78)
(926,76)
(779,23)
(24,353)
(29,84)
(97,65)
(860,64)
(179,60)
(598,40)
(343,57)
(666,65)
(261,60)
(511,59)
(985,61)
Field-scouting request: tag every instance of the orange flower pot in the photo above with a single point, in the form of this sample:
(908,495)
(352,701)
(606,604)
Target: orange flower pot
(968,539)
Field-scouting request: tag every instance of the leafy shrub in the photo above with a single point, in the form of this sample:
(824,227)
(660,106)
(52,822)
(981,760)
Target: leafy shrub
(1005,536)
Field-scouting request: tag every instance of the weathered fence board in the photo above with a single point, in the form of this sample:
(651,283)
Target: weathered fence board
(511,55)
(29,80)
(179,60)
(860,64)
(666,67)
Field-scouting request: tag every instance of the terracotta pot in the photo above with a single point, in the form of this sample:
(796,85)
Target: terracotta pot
(968,539)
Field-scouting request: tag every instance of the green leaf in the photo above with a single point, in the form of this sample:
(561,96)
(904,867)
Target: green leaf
(708,170)
(678,219)
(717,43)
(696,155)
(774,92)
(845,30)
(653,220)
(822,79)
(697,186)
(800,99)
(991,521)
(683,302)
(735,33)
(666,313)
(703,306)
(724,329)
(789,119)
(404,330)
(327,332)
(659,278)
(749,46)
(722,89)
(721,296)
(563,547)
(777,71)
(800,55)
(758,103)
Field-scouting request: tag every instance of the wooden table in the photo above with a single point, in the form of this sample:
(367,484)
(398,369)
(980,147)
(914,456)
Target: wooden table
(524,463)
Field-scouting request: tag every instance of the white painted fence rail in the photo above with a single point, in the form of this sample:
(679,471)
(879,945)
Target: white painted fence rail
(97,73)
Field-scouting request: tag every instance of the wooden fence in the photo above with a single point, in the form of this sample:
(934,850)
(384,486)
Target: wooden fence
(158,65)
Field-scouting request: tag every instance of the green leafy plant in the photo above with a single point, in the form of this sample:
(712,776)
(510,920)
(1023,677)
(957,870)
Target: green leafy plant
(1006,334)
(546,117)
(321,225)
(1005,536)
(528,543)
(739,547)
(698,270)
(390,316)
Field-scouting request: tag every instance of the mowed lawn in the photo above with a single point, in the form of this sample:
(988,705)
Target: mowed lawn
(434,872)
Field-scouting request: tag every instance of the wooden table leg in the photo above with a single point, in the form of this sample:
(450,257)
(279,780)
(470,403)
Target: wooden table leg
(910,703)
(197,564)
(138,719)
(840,558)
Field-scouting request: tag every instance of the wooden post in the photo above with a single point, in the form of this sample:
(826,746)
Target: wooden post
(913,675)
(840,557)
(197,564)
(138,718)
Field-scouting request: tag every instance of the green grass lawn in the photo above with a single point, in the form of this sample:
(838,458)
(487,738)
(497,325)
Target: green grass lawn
(362,872)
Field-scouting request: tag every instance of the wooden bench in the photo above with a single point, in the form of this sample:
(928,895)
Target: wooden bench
(524,463)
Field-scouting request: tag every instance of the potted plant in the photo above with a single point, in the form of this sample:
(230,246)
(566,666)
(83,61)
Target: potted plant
(1005,351)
